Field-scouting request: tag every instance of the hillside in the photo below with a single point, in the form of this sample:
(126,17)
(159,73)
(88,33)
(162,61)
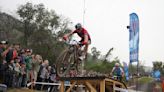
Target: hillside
(10,27)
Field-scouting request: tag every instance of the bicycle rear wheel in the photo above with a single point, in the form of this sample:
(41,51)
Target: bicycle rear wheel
(64,63)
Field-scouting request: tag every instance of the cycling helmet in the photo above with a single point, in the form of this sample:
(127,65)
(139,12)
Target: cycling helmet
(117,64)
(78,26)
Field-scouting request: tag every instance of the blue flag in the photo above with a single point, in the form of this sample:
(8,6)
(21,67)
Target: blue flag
(134,37)
(126,71)
(157,75)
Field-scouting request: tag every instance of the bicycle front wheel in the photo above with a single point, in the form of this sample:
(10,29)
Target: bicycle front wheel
(64,63)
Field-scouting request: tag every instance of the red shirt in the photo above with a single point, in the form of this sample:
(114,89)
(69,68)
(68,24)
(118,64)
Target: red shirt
(81,33)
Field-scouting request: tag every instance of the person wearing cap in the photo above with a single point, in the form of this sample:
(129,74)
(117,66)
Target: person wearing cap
(3,64)
(3,42)
(3,50)
(117,71)
(2,60)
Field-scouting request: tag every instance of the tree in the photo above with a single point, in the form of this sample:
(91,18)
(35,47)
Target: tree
(27,13)
(95,53)
(158,65)
(36,18)
(42,29)
(108,54)
(104,66)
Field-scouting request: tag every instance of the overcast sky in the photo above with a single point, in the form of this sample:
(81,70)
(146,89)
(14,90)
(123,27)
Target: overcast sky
(106,21)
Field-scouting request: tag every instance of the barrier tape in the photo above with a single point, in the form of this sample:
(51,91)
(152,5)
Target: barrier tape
(44,83)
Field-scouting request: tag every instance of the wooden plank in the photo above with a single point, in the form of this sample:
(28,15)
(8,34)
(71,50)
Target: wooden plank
(102,86)
(62,86)
(73,84)
(114,86)
(92,89)
(91,83)
(116,82)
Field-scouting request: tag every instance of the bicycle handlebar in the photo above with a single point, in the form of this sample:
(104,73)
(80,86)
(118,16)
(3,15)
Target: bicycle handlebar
(69,42)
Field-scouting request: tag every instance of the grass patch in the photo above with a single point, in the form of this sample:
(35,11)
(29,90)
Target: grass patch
(145,80)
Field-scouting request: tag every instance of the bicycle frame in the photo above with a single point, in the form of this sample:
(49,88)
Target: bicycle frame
(68,59)
(75,51)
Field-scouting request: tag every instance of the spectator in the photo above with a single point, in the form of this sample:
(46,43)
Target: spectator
(10,79)
(3,66)
(4,49)
(47,77)
(22,56)
(17,72)
(28,61)
(23,76)
(16,50)
(12,52)
(3,69)
(53,78)
(19,66)
(53,74)
(36,62)
(42,73)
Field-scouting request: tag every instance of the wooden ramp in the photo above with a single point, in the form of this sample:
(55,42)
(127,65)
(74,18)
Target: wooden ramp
(90,84)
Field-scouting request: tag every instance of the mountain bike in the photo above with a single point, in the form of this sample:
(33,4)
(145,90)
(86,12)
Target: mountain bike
(116,77)
(69,59)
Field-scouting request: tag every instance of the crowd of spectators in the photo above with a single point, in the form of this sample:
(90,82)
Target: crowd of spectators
(20,66)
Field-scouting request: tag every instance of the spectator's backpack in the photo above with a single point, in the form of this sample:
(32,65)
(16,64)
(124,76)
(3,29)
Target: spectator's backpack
(12,54)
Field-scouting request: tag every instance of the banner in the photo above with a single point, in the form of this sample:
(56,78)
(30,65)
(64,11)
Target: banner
(134,37)
(126,71)
(157,75)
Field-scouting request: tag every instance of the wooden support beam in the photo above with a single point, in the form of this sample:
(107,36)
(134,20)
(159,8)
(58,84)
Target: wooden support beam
(114,86)
(62,86)
(116,82)
(90,87)
(73,84)
(92,84)
(102,86)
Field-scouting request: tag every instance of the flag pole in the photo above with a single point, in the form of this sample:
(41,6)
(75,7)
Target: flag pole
(82,70)
(137,76)
(83,13)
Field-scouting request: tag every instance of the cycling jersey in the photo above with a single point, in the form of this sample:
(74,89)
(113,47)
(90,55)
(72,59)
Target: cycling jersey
(117,71)
(81,33)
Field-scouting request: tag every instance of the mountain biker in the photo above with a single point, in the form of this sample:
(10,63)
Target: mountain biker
(117,71)
(85,38)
